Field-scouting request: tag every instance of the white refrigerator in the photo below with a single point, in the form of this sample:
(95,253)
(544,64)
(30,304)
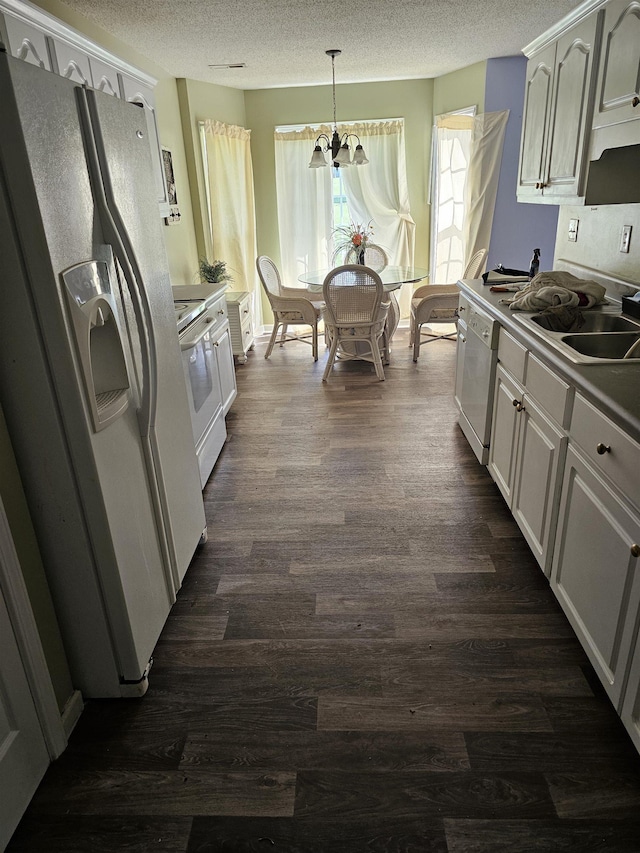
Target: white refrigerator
(91,379)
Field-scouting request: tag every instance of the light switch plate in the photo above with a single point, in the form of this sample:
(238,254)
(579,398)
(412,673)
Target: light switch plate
(625,239)
(573,230)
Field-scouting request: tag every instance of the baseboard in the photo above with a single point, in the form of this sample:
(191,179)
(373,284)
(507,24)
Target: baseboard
(71,712)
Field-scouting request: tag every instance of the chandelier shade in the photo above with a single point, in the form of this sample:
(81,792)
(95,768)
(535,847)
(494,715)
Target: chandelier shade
(338,146)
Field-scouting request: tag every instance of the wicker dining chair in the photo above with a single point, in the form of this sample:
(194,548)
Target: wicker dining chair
(287,310)
(438,303)
(355,316)
(375,257)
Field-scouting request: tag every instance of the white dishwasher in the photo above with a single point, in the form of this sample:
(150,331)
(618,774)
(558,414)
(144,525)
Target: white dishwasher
(477,359)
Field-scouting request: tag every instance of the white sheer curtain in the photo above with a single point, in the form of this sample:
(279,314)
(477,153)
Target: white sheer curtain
(229,174)
(468,151)
(487,140)
(379,192)
(305,205)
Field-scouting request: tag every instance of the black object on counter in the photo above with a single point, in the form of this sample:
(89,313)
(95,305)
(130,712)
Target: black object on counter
(534,267)
(631,307)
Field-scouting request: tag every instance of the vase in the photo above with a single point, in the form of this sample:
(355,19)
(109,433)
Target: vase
(361,257)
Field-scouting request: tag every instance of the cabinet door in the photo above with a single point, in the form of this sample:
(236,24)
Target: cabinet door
(28,43)
(541,449)
(136,93)
(72,63)
(595,571)
(226,370)
(619,75)
(105,78)
(571,111)
(504,432)
(535,122)
(462,340)
(630,712)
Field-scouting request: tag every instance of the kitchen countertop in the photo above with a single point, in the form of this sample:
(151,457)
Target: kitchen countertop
(614,389)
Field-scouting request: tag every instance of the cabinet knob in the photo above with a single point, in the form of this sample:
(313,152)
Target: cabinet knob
(216,343)
(601,448)
(635,101)
(519,408)
(515,403)
(635,550)
(461,308)
(538,185)
(462,338)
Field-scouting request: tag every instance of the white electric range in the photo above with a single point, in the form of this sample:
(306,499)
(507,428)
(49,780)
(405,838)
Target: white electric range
(201,319)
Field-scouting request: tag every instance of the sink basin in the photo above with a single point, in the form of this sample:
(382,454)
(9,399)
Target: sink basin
(594,322)
(608,345)
(604,337)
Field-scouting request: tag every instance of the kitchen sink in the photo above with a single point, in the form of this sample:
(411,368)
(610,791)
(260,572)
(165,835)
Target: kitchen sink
(594,322)
(609,345)
(604,337)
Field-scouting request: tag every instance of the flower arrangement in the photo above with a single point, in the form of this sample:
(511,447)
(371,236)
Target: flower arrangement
(213,272)
(348,237)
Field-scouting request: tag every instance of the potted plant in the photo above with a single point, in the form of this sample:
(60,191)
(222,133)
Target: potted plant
(213,272)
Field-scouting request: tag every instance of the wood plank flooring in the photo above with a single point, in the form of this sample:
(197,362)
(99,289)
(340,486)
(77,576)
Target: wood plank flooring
(364,656)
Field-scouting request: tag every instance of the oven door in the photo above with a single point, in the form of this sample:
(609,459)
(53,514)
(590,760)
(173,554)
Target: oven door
(202,377)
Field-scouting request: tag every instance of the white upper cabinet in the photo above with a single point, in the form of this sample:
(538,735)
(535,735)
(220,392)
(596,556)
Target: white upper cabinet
(26,42)
(105,78)
(72,63)
(35,36)
(616,118)
(557,115)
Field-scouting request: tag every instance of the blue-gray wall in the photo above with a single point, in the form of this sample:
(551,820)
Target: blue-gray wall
(517,228)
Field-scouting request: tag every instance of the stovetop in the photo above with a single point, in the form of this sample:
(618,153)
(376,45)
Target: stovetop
(191,300)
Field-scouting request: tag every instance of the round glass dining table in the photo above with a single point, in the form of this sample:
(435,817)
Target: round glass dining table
(392,279)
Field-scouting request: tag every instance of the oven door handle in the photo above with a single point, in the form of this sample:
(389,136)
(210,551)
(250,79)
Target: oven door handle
(192,342)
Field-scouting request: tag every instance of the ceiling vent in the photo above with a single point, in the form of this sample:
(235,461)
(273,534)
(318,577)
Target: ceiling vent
(230,65)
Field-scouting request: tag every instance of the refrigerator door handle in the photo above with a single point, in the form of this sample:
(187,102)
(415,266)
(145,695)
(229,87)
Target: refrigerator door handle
(116,234)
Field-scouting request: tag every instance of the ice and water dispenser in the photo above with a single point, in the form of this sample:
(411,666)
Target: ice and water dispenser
(98,340)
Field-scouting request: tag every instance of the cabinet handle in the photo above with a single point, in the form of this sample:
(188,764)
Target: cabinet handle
(220,311)
(516,402)
(462,308)
(635,101)
(601,448)
(216,343)
(519,408)
(246,311)
(635,550)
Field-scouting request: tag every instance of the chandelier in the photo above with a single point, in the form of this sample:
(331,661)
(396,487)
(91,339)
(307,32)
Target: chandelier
(337,145)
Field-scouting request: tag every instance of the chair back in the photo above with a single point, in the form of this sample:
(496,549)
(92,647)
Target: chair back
(375,257)
(474,267)
(353,294)
(269,276)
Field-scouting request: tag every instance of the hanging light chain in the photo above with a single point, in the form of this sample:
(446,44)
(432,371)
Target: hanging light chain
(333,74)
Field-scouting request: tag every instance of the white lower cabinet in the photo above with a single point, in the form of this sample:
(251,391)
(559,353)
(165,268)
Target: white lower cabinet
(595,570)
(630,711)
(224,362)
(525,456)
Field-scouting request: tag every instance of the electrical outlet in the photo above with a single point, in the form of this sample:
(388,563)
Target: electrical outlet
(573,230)
(625,239)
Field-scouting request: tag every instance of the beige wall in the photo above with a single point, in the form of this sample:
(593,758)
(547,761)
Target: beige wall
(200,101)
(411,100)
(463,88)
(599,231)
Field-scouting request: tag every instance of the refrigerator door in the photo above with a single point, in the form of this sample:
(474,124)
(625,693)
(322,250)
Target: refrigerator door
(92,498)
(122,149)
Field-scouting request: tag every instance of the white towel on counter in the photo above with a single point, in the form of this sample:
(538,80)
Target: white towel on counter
(556,288)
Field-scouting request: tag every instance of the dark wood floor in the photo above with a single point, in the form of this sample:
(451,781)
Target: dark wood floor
(364,657)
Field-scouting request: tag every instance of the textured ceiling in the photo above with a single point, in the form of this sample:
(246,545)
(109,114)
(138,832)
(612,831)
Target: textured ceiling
(283,42)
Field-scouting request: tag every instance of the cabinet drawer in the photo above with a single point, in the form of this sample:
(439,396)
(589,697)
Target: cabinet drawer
(610,450)
(554,395)
(512,355)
